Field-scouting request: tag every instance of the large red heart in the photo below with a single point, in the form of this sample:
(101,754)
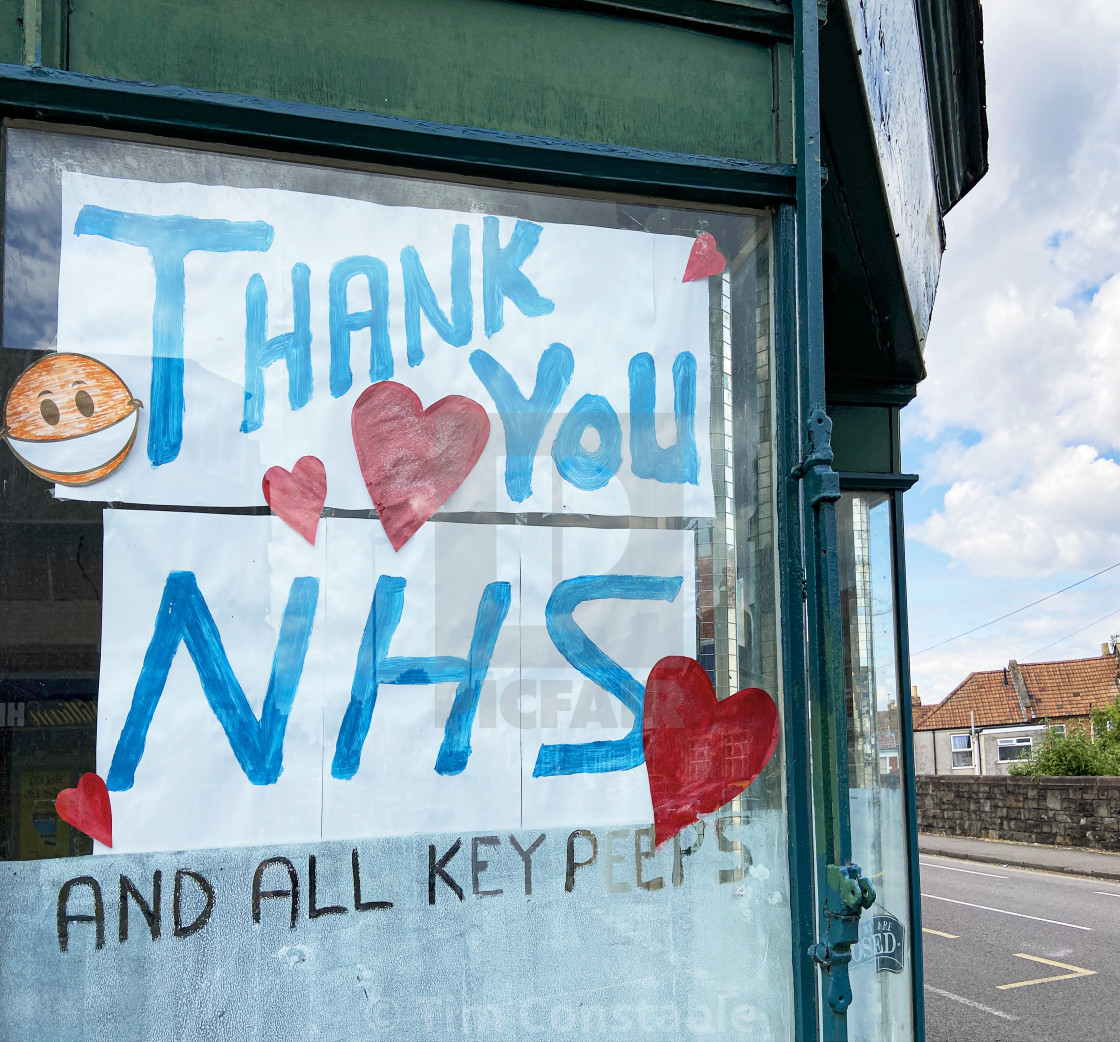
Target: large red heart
(412,459)
(705,259)
(87,808)
(700,752)
(297,498)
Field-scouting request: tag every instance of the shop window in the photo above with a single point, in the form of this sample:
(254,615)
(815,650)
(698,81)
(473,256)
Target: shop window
(1008,749)
(882,1005)
(293,681)
(962,750)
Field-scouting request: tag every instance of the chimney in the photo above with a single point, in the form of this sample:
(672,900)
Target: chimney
(1106,649)
(915,701)
(1021,692)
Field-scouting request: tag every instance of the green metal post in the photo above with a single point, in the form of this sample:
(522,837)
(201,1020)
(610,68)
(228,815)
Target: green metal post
(906,763)
(797,747)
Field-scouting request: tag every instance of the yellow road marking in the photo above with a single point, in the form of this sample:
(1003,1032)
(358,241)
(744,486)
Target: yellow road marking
(938,933)
(1077,971)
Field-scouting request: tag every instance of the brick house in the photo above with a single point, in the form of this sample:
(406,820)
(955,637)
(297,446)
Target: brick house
(994,717)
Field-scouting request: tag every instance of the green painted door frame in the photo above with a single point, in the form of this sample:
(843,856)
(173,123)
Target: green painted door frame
(842,892)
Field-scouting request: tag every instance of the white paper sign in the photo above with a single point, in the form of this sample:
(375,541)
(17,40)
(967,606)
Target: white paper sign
(249,321)
(237,660)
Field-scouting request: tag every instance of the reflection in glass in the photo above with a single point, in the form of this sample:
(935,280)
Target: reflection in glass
(881,971)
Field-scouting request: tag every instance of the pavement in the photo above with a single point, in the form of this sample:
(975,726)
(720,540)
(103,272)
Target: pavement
(1077,861)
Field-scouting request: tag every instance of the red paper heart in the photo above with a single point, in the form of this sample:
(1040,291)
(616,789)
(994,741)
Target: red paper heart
(700,752)
(87,808)
(705,259)
(297,498)
(412,459)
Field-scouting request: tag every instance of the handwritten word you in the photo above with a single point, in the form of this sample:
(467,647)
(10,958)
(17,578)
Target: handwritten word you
(170,239)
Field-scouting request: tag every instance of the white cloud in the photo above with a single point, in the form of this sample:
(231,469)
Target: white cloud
(1016,432)
(1024,350)
(1064,517)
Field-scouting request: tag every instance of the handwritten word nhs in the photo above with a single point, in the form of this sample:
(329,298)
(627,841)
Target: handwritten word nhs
(258,744)
(169,240)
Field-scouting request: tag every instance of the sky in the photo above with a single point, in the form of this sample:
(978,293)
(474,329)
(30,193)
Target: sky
(1016,430)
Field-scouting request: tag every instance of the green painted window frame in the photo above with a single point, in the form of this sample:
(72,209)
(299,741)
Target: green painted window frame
(896,484)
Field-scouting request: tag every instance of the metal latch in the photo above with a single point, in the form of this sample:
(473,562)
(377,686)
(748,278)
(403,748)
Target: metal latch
(848,894)
(822,483)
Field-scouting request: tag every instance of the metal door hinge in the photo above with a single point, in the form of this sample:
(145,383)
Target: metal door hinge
(848,894)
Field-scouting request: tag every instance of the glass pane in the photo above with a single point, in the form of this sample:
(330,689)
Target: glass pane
(375,756)
(881,970)
(961,742)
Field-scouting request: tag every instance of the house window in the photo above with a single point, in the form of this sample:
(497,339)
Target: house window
(962,750)
(1058,729)
(1008,749)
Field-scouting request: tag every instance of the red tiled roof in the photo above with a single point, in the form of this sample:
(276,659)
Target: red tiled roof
(1056,690)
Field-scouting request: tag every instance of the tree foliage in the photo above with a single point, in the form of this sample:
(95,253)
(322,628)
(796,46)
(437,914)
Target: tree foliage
(1075,753)
(1106,727)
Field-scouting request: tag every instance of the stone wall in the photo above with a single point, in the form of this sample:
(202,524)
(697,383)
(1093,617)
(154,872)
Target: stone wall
(1070,812)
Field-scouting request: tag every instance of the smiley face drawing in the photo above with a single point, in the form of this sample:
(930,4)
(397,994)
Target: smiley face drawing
(70,419)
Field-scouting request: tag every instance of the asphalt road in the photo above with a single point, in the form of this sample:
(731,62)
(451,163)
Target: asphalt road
(993,935)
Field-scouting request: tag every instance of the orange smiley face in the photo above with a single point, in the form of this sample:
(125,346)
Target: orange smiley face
(70,419)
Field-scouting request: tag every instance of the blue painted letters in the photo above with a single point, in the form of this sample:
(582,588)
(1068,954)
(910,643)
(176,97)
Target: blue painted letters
(168,240)
(588,469)
(502,275)
(343,323)
(418,295)
(293,348)
(525,419)
(622,753)
(679,464)
(184,618)
(374,667)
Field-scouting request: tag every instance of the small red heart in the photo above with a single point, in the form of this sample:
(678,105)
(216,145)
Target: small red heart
(700,752)
(413,459)
(297,498)
(705,259)
(87,808)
